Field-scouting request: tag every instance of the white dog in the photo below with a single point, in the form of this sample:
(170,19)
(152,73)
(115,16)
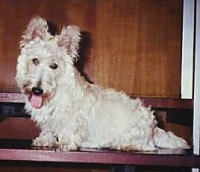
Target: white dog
(73,113)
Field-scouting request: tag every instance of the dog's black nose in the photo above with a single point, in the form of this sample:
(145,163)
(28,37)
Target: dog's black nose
(37,91)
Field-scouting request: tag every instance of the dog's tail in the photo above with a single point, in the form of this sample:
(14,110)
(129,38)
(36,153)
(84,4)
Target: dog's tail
(168,139)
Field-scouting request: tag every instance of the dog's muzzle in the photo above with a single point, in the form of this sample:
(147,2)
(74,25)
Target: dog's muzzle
(37,91)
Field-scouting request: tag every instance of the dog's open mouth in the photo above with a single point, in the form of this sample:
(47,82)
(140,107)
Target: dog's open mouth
(36,97)
(36,100)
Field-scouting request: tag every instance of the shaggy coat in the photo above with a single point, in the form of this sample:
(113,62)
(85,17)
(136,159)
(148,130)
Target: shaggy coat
(73,113)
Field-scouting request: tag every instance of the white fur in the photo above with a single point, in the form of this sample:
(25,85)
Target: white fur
(74,113)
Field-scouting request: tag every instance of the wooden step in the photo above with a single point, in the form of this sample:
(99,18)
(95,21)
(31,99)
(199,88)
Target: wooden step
(161,157)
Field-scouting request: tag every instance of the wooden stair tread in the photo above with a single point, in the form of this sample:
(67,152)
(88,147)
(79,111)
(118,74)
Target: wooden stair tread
(100,157)
(162,157)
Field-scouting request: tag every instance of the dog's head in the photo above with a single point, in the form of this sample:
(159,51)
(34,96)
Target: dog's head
(44,58)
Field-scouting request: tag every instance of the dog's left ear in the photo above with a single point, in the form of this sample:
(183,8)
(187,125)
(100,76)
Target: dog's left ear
(70,38)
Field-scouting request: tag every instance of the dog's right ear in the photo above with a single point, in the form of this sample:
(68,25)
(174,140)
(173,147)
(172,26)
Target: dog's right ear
(37,28)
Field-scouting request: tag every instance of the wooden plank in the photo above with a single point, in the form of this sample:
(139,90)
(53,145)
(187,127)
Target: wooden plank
(168,103)
(100,157)
(148,101)
(12,97)
(18,128)
(139,52)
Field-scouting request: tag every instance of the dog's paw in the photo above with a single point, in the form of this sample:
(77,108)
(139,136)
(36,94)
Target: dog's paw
(66,147)
(42,142)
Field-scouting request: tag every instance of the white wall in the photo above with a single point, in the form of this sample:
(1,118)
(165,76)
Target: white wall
(187,49)
(196,126)
(196,123)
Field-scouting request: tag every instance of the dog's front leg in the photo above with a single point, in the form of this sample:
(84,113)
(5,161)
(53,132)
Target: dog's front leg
(65,145)
(45,139)
(69,139)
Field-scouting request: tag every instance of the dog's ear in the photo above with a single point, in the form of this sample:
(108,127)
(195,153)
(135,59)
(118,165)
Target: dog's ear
(37,28)
(69,38)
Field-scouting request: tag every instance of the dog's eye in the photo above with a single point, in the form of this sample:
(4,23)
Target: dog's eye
(53,66)
(36,61)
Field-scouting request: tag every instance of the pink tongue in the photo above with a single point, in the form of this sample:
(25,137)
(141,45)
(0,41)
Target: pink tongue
(36,101)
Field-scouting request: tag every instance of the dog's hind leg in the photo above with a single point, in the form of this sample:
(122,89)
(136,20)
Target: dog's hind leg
(165,139)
